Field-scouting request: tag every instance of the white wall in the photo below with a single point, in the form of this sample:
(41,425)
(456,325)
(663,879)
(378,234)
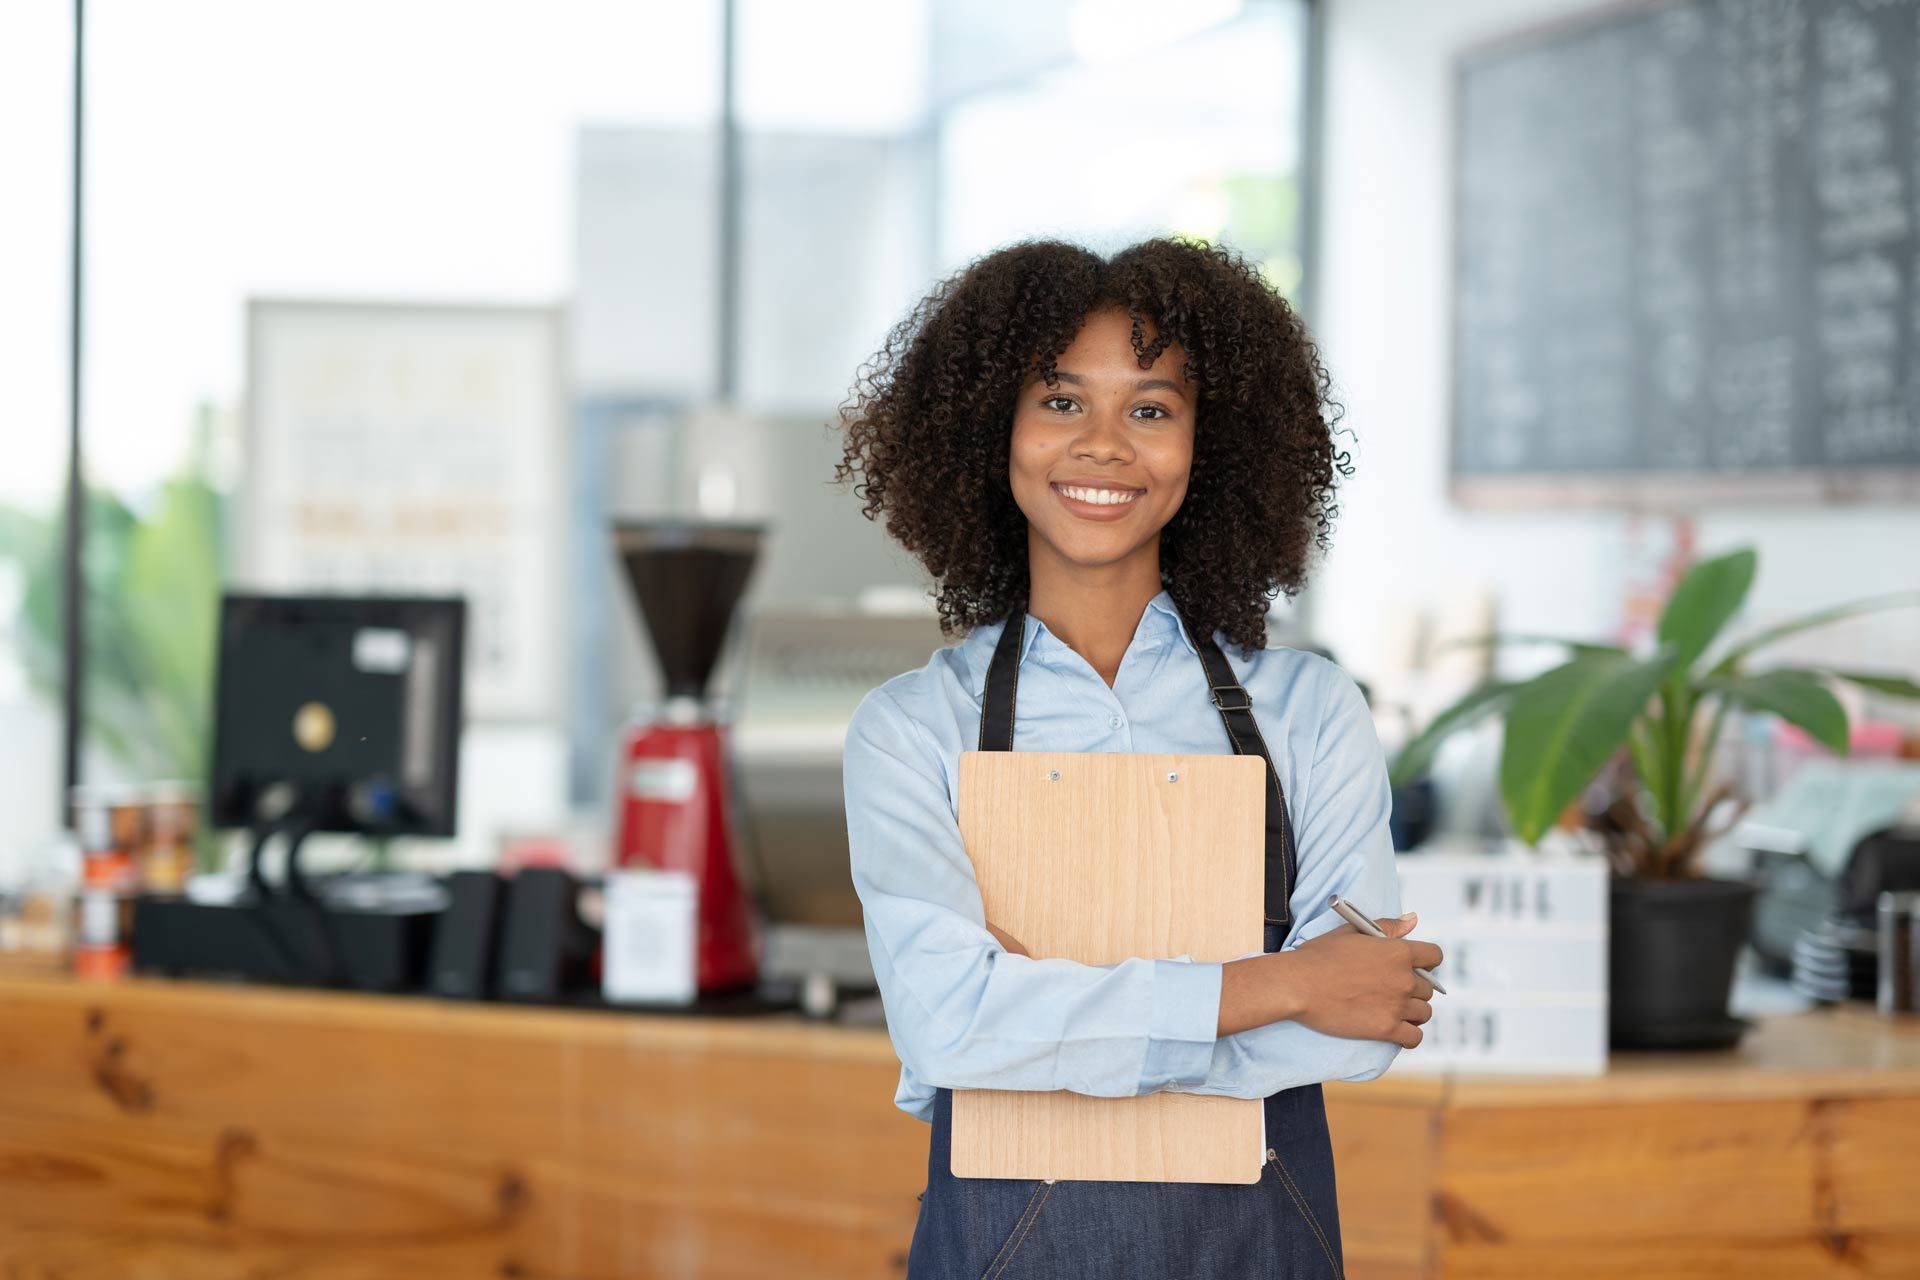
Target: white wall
(30,768)
(1382,318)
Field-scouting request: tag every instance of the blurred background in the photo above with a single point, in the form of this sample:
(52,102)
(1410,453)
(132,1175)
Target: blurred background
(361,301)
(694,253)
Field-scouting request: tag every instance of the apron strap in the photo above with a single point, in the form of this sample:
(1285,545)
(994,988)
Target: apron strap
(1003,683)
(1236,711)
(997,701)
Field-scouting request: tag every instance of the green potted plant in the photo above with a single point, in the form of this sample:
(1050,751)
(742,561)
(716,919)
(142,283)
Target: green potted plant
(1632,722)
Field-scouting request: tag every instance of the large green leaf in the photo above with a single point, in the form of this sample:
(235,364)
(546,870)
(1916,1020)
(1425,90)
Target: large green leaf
(1564,725)
(1797,697)
(1416,757)
(172,608)
(152,590)
(1704,602)
(1807,622)
(1892,686)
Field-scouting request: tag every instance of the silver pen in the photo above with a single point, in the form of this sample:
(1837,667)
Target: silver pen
(1372,930)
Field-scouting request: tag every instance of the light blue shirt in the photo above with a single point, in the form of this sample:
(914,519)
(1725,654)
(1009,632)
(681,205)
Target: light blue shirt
(963,1012)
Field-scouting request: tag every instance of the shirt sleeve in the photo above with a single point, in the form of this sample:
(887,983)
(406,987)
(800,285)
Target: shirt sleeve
(963,1012)
(1343,846)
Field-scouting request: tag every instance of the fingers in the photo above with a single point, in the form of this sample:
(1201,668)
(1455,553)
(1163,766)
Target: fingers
(1006,939)
(1408,1036)
(1398,926)
(1422,989)
(1418,1012)
(1425,955)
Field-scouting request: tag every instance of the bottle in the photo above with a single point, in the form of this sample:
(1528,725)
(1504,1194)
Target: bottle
(39,926)
(111,823)
(166,855)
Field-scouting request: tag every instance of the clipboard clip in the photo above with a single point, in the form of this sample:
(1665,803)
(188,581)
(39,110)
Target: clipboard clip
(1246,699)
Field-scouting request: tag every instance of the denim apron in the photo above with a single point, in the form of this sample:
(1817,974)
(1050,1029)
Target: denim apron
(1285,1225)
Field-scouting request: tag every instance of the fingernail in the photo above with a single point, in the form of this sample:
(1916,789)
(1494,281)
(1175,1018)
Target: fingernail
(1406,915)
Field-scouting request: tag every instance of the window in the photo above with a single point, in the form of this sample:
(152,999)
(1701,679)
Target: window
(345,150)
(36,95)
(1146,119)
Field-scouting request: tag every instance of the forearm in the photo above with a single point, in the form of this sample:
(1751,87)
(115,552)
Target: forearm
(1018,1023)
(1254,991)
(1260,1062)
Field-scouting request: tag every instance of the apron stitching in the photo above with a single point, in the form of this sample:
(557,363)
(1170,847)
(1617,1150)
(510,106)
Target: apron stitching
(1306,1213)
(1029,1216)
(1014,1230)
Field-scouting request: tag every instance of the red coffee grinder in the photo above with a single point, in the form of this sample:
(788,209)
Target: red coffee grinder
(673,804)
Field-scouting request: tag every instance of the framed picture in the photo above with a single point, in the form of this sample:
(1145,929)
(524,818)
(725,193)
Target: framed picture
(416,449)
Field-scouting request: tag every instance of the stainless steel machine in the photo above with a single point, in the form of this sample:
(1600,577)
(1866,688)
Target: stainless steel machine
(805,671)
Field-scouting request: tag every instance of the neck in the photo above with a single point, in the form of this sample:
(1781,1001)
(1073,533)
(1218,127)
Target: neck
(1093,610)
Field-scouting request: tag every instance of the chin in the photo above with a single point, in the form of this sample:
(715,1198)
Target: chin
(1092,553)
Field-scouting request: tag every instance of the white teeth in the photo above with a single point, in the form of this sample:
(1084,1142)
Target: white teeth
(1101,497)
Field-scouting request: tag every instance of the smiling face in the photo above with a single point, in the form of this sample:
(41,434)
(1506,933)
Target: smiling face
(1099,460)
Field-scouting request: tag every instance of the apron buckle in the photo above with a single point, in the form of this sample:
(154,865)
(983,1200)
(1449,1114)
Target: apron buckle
(1246,699)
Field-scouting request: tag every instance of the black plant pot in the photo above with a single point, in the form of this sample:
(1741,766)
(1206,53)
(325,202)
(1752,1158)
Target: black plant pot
(1670,962)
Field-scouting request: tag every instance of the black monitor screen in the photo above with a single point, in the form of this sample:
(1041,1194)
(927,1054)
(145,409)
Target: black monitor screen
(341,712)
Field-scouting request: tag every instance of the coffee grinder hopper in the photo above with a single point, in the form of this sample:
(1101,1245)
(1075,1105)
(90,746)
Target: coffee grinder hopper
(687,578)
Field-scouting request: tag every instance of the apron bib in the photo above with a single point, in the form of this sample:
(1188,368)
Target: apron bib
(1286,1225)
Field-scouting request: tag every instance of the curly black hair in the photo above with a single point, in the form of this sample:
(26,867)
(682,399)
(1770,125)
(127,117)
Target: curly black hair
(928,422)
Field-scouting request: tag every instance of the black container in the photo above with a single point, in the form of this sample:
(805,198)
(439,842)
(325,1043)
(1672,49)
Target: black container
(1410,821)
(1671,960)
(283,940)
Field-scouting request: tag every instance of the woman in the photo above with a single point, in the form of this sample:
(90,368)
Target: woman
(1108,467)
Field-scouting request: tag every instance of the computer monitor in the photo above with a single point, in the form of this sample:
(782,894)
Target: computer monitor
(338,713)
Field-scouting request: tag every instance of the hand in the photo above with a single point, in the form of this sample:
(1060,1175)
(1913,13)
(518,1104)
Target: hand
(1365,988)
(1012,943)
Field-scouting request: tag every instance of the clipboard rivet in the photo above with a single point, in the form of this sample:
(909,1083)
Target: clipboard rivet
(1173,777)
(1053,775)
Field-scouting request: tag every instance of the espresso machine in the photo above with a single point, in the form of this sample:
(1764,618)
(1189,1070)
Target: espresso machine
(673,803)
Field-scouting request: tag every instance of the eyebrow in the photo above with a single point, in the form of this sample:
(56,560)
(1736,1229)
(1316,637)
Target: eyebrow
(1144,384)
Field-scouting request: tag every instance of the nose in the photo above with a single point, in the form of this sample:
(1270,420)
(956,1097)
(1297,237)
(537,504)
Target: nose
(1102,438)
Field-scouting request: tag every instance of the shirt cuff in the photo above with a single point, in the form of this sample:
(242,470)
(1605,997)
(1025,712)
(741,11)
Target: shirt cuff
(1184,1025)
(1320,925)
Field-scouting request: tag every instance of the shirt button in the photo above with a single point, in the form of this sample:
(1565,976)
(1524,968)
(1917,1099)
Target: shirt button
(1114,723)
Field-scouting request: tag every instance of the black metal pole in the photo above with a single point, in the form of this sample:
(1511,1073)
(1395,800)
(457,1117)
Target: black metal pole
(728,353)
(73,633)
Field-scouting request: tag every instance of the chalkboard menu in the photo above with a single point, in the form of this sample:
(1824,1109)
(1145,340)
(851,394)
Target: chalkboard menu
(1688,249)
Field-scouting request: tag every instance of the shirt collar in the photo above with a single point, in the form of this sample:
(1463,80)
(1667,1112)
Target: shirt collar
(1162,612)
(1160,618)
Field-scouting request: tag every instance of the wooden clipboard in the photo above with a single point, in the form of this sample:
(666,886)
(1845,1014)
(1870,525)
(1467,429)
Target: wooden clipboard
(1096,857)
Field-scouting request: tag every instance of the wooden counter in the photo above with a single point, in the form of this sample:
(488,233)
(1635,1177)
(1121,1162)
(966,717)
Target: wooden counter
(160,1129)
(1796,1155)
